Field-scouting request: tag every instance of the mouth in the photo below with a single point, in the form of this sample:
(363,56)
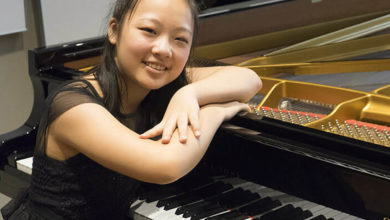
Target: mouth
(156,66)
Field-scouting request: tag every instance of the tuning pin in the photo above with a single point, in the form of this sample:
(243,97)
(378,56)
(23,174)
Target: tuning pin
(331,129)
(290,117)
(263,111)
(299,118)
(307,118)
(369,134)
(273,113)
(349,130)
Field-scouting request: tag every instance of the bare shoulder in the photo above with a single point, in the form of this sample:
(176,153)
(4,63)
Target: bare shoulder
(91,79)
(66,125)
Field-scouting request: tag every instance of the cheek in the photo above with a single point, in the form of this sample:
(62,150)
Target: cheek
(181,58)
(134,48)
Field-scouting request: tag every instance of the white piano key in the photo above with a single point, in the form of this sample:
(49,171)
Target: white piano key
(168,215)
(146,209)
(340,216)
(331,213)
(25,165)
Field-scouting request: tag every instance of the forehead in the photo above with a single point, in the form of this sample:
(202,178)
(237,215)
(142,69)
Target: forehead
(173,13)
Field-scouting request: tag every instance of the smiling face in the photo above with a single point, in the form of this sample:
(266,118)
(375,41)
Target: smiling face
(154,43)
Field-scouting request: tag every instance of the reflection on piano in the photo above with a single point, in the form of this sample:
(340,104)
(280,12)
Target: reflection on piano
(315,145)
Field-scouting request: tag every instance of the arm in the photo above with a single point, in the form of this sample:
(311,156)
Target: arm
(92,130)
(223,84)
(208,85)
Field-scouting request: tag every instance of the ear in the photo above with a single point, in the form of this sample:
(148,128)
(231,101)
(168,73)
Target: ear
(112,31)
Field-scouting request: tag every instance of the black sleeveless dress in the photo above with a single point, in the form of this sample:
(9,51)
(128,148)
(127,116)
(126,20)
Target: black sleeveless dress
(77,188)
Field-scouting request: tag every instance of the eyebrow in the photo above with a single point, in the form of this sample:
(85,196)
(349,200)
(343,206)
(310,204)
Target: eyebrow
(181,28)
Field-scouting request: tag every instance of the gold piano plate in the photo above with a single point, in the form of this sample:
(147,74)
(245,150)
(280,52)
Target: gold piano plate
(355,114)
(365,118)
(385,90)
(276,89)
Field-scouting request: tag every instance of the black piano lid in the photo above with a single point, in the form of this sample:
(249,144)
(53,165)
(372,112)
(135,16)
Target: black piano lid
(217,7)
(56,55)
(351,153)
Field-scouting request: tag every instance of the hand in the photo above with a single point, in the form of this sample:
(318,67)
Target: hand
(182,110)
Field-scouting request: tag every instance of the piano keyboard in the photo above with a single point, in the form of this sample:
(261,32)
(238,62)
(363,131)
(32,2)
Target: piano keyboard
(229,198)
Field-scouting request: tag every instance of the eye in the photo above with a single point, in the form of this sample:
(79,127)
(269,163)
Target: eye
(149,30)
(184,40)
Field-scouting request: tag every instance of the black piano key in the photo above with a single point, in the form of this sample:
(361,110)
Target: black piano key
(280,213)
(208,211)
(198,208)
(293,213)
(233,215)
(296,213)
(225,198)
(240,200)
(304,215)
(160,194)
(186,209)
(195,195)
(174,189)
(233,199)
(319,217)
(261,206)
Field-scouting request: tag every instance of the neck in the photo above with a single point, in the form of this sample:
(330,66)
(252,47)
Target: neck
(132,97)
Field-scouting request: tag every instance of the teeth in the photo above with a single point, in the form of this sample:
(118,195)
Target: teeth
(155,66)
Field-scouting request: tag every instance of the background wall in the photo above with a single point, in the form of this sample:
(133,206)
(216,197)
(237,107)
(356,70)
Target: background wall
(48,22)
(16,93)
(78,19)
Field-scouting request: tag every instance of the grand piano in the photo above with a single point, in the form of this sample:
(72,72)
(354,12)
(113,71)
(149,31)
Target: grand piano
(317,140)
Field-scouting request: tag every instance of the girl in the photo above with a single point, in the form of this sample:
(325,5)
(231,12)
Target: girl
(90,158)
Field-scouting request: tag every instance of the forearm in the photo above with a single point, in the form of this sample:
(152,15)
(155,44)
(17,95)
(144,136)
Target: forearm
(226,84)
(184,157)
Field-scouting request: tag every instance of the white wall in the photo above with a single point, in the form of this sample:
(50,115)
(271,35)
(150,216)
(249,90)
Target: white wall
(64,21)
(12,16)
(70,20)
(16,92)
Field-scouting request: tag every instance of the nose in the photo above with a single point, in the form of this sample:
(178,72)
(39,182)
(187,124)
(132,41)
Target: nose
(162,48)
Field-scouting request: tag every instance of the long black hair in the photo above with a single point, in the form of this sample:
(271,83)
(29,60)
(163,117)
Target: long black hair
(110,78)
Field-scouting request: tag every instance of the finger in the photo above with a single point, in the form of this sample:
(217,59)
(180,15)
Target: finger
(243,108)
(194,121)
(235,109)
(168,130)
(153,132)
(182,124)
(246,107)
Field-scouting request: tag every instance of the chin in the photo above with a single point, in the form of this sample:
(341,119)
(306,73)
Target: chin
(153,85)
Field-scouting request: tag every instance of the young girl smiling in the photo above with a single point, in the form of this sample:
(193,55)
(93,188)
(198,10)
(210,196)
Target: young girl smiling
(100,135)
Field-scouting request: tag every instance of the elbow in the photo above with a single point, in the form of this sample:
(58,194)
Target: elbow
(257,84)
(253,83)
(167,179)
(169,176)
(171,171)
